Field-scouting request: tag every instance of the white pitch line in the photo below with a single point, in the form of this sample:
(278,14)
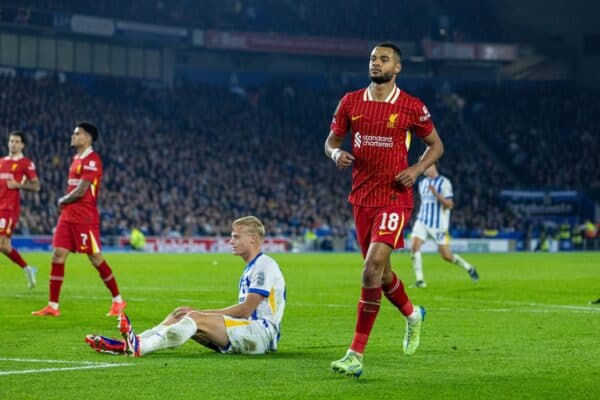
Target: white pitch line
(34,360)
(532,307)
(84,365)
(523,304)
(35,371)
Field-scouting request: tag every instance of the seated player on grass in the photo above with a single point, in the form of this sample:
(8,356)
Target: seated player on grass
(251,326)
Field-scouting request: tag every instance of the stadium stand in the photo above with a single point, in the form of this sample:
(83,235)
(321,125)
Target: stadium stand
(180,163)
(352,18)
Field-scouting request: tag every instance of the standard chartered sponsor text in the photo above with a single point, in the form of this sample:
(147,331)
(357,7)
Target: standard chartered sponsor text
(378,141)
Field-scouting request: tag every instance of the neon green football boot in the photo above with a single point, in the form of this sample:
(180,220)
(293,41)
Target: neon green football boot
(413,332)
(351,364)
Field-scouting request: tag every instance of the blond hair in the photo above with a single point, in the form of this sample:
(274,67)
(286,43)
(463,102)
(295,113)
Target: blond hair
(252,223)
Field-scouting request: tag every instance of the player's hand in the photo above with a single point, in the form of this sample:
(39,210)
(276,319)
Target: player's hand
(342,158)
(12,184)
(182,311)
(433,191)
(60,202)
(408,177)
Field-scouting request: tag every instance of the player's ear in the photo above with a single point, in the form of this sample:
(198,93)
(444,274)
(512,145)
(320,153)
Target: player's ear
(398,67)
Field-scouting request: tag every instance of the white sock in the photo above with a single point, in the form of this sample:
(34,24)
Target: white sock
(417,263)
(170,336)
(117,299)
(149,332)
(415,316)
(458,260)
(53,304)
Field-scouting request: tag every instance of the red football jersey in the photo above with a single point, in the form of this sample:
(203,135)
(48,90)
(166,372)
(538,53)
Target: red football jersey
(381,133)
(88,167)
(20,169)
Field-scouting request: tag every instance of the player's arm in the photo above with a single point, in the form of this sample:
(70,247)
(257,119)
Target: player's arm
(241,310)
(333,144)
(447,203)
(32,185)
(338,128)
(433,152)
(76,193)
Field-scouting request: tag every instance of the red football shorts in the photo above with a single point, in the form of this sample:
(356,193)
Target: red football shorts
(8,221)
(77,238)
(380,224)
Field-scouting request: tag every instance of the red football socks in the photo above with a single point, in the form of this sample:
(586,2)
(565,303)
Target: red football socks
(57,275)
(16,258)
(108,278)
(368,307)
(396,294)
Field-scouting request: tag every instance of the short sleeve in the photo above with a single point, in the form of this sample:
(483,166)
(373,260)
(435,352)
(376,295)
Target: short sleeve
(340,121)
(422,124)
(91,169)
(447,192)
(30,171)
(261,281)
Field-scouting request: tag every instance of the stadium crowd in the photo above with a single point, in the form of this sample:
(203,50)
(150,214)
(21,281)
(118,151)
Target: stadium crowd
(177,162)
(548,134)
(185,161)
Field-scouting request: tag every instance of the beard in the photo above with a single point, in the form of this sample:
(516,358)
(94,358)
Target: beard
(383,78)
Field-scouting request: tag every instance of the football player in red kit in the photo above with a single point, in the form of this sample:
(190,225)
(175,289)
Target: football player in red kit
(17,172)
(78,227)
(381,119)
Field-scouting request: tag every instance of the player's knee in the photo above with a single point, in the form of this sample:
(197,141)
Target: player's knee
(203,324)
(415,247)
(59,256)
(372,272)
(446,256)
(5,247)
(96,259)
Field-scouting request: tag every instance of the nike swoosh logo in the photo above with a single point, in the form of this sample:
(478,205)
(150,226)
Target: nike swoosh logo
(383,233)
(354,118)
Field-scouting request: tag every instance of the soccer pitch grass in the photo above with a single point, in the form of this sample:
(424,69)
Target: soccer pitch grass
(524,331)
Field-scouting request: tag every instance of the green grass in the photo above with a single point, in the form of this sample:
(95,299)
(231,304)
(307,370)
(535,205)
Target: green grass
(524,331)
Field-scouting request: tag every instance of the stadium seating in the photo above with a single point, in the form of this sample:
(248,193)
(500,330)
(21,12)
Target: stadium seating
(179,163)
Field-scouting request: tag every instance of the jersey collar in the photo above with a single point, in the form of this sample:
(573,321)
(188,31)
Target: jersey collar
(14,158)
(251,263)
(85,153)
(391,98)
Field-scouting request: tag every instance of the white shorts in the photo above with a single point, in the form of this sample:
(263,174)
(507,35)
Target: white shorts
(423,232)
(249,336)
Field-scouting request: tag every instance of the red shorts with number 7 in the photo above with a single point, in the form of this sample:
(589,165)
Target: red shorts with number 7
(380,224)
(77,238)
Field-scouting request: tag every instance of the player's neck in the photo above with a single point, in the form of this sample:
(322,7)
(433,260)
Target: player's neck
(15,156)
(82,149)
(380,91)
(251,255)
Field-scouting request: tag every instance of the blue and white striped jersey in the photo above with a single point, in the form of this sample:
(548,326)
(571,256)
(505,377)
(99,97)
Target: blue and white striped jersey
(263,276)
(431,212)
